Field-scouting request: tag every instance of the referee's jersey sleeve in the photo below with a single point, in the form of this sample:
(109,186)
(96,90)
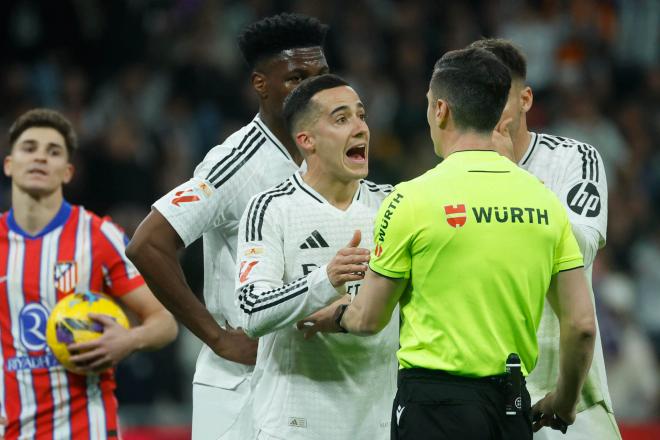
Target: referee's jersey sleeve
(393,234)
(567,251)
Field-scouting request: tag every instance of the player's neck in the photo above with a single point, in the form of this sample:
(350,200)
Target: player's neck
(466,141)
(32,213)
(277,126)
(521,142)
(339,194)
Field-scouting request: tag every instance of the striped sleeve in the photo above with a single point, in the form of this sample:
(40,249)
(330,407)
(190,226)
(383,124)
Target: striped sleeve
(266,303)
(206,200)
(120,276)
(583,188)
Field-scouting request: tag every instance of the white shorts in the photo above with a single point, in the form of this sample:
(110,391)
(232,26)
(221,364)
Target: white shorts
(594,423)
(220,413)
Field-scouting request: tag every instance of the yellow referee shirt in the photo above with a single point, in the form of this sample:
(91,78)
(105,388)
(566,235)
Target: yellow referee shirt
(479,239)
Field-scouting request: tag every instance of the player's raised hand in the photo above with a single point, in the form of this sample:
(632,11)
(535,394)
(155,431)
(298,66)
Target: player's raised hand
(501,138)
(322,320)
(350,262)
(236,346)
(100,354)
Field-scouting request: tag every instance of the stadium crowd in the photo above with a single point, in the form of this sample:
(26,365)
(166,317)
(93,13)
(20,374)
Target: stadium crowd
(151,86)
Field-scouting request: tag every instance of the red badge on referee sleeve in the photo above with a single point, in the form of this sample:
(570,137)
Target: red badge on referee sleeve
(456,216)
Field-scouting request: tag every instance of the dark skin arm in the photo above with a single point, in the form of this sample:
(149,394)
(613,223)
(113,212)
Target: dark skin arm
(153,250)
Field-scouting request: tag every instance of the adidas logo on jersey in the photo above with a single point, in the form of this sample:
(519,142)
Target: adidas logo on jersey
(314,241)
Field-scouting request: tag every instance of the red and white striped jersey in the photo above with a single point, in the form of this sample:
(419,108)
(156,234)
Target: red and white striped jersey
(77,251)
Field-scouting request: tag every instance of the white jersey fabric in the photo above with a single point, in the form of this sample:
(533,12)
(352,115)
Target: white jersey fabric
(210,205)
(574,171)
(332,386)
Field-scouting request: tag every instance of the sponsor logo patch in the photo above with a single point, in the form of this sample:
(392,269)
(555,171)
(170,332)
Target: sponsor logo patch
(456,215)
(32,320)
(584,199)
(245,269)
(194,193)
(297,422)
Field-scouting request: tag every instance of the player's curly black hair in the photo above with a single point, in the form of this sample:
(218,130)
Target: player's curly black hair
(272,35)
(510,55)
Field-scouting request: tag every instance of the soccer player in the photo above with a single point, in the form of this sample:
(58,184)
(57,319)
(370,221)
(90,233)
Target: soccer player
(330,386)
(469,249)
(282,51)
(574,171)
(49,249)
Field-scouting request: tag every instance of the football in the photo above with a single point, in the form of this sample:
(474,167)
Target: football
(69,323)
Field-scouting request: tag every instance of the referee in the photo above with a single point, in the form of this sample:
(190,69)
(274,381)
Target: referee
(469,250)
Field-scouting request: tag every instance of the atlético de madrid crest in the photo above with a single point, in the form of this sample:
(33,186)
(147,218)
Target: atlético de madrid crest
(66,276)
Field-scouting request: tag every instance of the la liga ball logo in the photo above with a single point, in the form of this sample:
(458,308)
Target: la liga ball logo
(378,251)
(456,215)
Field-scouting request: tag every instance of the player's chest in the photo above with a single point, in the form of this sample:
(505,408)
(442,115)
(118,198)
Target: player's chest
(46,270)
(312,237)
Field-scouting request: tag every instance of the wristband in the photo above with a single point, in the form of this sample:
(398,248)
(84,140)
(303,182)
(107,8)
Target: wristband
(339,313)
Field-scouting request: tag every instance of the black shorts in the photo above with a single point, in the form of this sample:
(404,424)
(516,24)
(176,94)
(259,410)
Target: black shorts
(432,405)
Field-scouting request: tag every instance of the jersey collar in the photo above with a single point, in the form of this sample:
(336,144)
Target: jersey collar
(271,137)
(298,181)
(530,149)
(60,218)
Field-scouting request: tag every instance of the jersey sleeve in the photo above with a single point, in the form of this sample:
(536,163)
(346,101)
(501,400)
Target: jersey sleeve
(266,303)
(393,234)
(567,251)
(203,202)
(583,191)
(119,274)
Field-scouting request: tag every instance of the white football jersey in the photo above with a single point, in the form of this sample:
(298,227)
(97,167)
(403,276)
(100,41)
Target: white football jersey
(332,386)
(210,204)
(574,171)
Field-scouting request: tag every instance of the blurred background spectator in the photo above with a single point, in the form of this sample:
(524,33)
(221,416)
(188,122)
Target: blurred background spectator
(152,85)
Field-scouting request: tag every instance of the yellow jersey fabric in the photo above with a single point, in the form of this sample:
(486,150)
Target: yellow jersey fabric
(479,240)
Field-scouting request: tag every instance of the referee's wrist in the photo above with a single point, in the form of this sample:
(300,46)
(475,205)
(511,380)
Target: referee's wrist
(339,314)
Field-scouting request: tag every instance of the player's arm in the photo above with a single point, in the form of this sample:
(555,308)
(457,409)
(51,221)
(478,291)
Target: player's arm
(583,192)
(570,299)
(372,309)
(266,303)
(156,329)
(153,250)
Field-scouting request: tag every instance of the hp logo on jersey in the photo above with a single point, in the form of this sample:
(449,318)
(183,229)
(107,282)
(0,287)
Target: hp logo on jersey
(32,322)
(584,199)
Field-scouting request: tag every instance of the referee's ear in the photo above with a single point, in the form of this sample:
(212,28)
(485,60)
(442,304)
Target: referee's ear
(442,112)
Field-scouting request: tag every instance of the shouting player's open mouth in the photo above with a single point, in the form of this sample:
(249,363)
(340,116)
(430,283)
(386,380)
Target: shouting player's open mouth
(357,154)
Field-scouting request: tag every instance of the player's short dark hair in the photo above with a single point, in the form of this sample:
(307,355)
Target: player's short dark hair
(475,84)
(271,35)
(44,117)
(507,52)
(298,103)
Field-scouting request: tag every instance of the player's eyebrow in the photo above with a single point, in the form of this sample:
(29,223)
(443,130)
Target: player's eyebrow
(346,107)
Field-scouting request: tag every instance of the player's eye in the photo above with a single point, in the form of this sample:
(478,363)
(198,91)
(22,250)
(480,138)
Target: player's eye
(341,119)
(363,116)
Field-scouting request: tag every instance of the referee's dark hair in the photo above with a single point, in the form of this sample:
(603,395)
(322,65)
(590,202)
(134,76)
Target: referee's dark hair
(475,85)
(271,35)
(298,104)
(505,51)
